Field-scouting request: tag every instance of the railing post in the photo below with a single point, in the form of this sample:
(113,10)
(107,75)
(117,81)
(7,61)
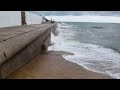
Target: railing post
(23,18)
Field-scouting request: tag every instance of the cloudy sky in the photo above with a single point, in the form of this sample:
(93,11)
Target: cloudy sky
(82,16)
(77,13)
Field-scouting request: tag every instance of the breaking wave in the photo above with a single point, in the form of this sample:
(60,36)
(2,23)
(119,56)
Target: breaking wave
(92,57)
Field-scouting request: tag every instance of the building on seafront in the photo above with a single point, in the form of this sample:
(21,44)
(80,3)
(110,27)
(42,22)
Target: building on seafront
(16,18)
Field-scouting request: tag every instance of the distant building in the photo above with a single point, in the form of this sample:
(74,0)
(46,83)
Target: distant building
(16,18)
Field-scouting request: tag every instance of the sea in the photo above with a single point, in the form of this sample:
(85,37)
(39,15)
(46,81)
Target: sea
(95,46)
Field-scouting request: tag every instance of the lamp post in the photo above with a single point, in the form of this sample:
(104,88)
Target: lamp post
(23,18)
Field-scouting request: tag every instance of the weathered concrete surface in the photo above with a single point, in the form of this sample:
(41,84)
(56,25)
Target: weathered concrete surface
(12,32)
(20,44)
(51,65)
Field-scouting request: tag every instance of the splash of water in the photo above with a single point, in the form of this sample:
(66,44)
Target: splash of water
(92,57)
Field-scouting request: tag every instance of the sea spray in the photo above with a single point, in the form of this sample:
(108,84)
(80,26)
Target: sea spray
(93,57)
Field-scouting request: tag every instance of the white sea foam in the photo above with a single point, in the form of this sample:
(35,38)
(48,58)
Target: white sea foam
(92,57)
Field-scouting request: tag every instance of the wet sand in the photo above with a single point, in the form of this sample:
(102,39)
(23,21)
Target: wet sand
(51,65)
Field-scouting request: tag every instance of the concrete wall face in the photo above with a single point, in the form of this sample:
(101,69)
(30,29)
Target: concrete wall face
(10,18)
(33,18)
(13,18)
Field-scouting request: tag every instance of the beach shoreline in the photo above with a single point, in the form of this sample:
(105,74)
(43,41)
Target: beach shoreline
(51,65)
(86,71)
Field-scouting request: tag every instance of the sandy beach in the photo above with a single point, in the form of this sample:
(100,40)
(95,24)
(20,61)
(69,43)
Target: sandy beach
(51,65)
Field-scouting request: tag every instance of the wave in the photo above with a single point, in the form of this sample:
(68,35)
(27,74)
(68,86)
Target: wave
(92,57)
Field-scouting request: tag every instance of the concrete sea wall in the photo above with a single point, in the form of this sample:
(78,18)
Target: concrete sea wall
(16,51)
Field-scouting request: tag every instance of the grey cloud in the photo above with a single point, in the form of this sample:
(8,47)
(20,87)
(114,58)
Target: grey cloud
(77,13)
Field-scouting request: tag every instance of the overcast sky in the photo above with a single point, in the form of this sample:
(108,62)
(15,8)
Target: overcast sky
(82,16)
(77,13)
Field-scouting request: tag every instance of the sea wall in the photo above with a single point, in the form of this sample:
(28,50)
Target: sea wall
(18,50)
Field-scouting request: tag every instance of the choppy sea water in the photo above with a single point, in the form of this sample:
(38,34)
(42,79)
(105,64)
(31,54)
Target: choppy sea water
(95,46)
